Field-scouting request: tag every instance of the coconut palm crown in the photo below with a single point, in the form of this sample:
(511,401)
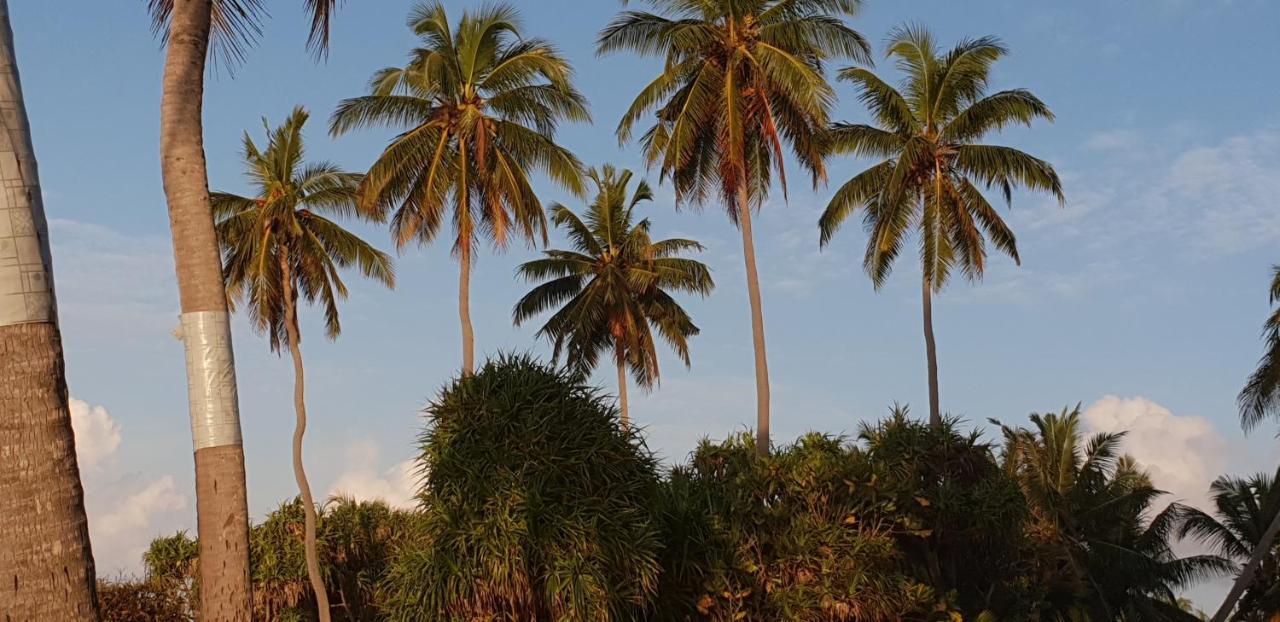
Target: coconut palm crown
(478,104)
(614,289)
(933,169)
(287,225)
(742,83)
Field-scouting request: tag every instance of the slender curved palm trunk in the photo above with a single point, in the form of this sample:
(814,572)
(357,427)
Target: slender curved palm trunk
(46,562)
(1265,544)
(931,353)
(221,506)
(464,307)
(757,323)
(299,431)
(621,358)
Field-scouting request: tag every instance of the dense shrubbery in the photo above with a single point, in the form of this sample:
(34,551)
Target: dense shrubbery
(538,505)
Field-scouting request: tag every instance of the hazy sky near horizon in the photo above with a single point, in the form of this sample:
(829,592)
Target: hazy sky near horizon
(1142,298)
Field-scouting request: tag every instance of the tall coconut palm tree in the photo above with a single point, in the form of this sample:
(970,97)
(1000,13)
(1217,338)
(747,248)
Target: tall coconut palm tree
(1260,400)
(927,132)
(1243,510)
(1093,518)
(46,564)
(479,104)
(614,288)
(191,29)
(740,79)
(279,247)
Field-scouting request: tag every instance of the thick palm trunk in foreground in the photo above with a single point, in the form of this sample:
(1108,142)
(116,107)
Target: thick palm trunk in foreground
(757,323)
(931,353)
(300,430)
(1263,548)
(46,564)
(221,506)
(621,358)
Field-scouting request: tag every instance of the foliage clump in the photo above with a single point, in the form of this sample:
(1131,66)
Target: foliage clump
(536,504)
(802,534)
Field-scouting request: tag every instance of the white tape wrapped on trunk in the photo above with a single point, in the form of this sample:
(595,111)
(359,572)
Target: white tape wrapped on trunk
(26,283)
(211,379)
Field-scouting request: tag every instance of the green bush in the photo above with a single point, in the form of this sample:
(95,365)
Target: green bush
(799,535)
(537,504)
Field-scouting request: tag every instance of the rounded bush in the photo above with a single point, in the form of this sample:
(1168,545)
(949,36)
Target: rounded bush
(536,502)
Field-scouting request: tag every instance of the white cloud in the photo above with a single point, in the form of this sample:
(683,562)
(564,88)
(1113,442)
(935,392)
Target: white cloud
(134,511)
(1183,453)
(1232,188)
(126,510)
(97,434)
(364,481)
(1113,140)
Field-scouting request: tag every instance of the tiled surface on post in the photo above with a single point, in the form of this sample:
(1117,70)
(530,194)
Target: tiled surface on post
(26,282)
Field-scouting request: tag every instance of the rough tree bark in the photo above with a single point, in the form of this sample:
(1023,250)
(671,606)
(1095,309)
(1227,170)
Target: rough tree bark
(221,504)
(46,563)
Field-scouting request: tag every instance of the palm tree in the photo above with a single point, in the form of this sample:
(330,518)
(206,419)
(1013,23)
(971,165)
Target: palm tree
(740,78)
(614,289)
(278,247)
(45,555)
(1260,400)
(190,28)
(1090,506)
(481,104)
(926,132)
(1244,511)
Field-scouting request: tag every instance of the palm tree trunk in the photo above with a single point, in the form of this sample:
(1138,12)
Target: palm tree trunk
(221,505)
(622,383)
(757,323)
(1263,547)
(299,431)
(46,562)
(931,353)
(464,306)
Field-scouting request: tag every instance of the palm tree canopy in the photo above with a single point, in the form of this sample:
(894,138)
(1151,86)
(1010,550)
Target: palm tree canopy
(1243,509)
(741,79)
(932,168)
(288,221)
(237,24)
(614,289)
(1260,397)
(478,104)
(1094,506)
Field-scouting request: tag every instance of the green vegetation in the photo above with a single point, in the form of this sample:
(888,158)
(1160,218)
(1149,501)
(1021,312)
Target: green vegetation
(539,501)
(615,286)
(927,131)
(538,504)
(479,103)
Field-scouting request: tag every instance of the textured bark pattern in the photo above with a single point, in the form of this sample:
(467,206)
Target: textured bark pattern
(757,322)
(221,505)
(26,282)
(224,565)
(46,566)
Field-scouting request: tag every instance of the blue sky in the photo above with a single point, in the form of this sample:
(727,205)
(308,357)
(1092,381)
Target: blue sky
(1149,286)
